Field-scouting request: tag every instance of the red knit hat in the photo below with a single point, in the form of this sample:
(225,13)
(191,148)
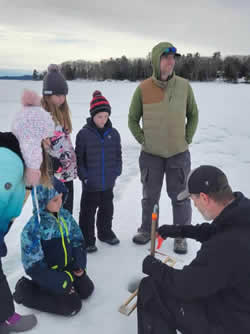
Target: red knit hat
(99,104)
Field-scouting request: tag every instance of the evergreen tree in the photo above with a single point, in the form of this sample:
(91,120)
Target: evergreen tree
(231,69)
(35,75)
(191,66)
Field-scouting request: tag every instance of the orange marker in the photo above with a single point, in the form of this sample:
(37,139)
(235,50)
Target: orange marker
(159,242)
(154,216)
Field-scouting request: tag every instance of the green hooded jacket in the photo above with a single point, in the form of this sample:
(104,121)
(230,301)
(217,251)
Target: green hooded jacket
(168,111)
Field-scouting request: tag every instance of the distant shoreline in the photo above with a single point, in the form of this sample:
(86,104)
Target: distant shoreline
(17,77)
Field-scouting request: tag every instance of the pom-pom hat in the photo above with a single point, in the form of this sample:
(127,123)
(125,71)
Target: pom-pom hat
(99,104)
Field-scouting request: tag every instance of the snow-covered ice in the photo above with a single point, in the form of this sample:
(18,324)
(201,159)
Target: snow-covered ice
(222,139)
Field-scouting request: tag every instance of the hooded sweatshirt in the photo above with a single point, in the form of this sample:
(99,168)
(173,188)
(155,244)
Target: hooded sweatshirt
(168,110)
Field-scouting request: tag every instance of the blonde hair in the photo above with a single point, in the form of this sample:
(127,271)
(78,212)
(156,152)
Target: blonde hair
(46,170)
(60,114)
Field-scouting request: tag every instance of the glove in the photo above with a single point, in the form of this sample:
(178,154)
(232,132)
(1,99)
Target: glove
(151,265)
(84,285)
(171,231)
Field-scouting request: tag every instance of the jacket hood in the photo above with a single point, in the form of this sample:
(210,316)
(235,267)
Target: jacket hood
(8,140)
(157,51)
(30,126)
(45,194)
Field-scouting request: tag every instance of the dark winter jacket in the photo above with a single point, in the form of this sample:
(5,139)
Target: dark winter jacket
(53,248)
(219,276)
(99,157)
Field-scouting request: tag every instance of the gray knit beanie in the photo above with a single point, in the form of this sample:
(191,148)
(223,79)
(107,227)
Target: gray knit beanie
(54,82)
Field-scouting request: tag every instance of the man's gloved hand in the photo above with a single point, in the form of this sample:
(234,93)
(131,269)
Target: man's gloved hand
(170,231)
(151,265)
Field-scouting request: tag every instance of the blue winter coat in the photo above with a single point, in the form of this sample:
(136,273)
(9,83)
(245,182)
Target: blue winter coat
(99,156)
(53,248)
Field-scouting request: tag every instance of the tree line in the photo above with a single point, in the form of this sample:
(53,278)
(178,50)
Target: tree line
(191,66)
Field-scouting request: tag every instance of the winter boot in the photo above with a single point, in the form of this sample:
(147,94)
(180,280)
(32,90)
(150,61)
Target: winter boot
(22,285)
(4,329)
(180,246)
(141,238)
(111,239)
(91,249)
(18,323)
(84,285)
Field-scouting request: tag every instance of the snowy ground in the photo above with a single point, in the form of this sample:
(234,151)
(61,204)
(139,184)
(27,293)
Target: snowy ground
(222,139)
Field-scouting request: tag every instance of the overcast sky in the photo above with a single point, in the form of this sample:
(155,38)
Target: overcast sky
(36,33)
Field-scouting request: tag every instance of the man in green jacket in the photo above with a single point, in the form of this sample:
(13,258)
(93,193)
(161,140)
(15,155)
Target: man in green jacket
(167,107)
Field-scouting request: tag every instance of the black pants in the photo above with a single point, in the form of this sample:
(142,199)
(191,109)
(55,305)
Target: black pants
(90,201)
(32,295)
(70,198)
(6,300)
(159,313)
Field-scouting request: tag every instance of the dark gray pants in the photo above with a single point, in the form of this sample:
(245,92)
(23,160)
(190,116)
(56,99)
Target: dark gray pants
(6,300)
(176,169)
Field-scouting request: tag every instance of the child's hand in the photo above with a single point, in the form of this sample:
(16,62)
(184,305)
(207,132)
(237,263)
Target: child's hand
(78,272)
(32,176)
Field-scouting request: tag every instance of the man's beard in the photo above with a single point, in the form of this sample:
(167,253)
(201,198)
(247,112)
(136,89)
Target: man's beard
(206,215)
(165,75)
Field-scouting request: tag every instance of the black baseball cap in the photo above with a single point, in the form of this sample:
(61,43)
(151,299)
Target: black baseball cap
(204,179)
(171,50)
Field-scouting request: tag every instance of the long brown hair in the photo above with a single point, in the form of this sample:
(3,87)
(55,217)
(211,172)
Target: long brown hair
(60,115)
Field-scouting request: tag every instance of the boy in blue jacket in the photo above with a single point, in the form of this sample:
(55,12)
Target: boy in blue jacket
(54,256)
(99,163)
